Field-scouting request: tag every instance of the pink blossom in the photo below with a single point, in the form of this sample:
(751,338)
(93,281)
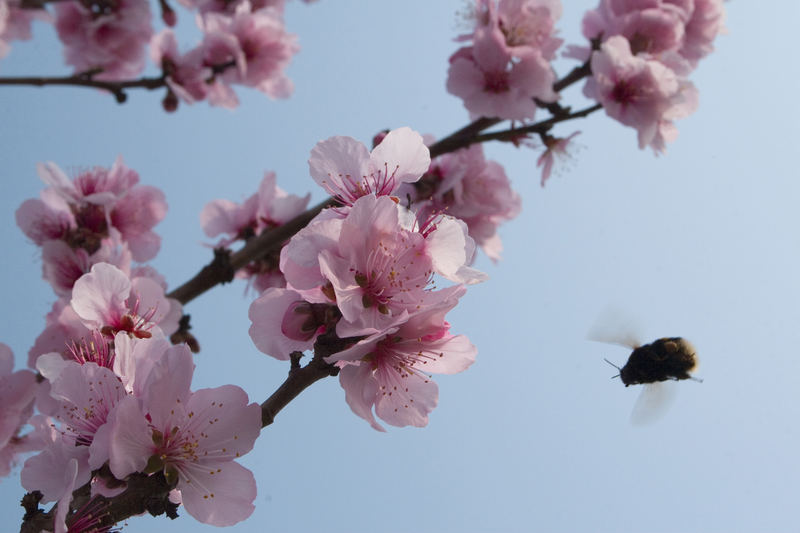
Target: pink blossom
(45,219)
(53,471)
(659,27)
(300,257)
(15,22)
(256,42)
(379,270)
(62,327)
(527,25)
(465,185)
(343,167)
(555,147)
(186,75)
(492,85)
(238,221)
(62,265)
(106,299)
(707,21)
(85,395)
(193,437)
(134,358)
(375,264)
(639,92)
(451,249)
(389,370)
(16,403)
(269,208)
(113,40)
(84,211)
(652,27)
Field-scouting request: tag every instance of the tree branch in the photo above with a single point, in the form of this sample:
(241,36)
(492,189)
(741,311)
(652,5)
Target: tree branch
(144,494)
(514,134)
(86,79)
(299,380)
(116,88)
(221,270)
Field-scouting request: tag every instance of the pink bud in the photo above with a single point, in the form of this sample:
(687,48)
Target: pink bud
(299,322)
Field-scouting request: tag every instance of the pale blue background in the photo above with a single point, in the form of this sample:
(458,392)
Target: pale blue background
(702,243)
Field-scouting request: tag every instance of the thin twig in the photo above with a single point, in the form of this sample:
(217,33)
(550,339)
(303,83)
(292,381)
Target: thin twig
(514,134)
(89,79)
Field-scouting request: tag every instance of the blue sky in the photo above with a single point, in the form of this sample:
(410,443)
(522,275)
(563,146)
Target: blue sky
(701,242)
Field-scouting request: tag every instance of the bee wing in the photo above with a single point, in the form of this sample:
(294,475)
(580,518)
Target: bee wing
(612,326)
(653,402)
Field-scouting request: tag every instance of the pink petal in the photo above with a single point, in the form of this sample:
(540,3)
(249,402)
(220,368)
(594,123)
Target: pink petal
(220,494)
(360,389)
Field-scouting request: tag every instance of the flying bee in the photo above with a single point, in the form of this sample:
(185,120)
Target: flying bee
(662,359)
(655,366)
(668,358)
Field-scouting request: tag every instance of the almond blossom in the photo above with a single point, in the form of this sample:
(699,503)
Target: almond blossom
(493,85)
(102,215)
(85,395)
(389,370)
(555,147)
(347,171)
(507,66)
(106,299)
(257,45)
(193,437)
(379,266)
(659,27)
(526,25)
(185,74)
(112,39)
(639,92)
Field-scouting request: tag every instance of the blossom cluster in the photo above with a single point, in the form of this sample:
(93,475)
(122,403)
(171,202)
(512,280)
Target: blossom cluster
(244,42)
(120,402)
(647,49)
(507,66)
(115,396)
(361,276)
(102,215)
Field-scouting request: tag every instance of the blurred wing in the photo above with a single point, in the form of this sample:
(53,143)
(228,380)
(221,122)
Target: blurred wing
(613,326)
(653,402)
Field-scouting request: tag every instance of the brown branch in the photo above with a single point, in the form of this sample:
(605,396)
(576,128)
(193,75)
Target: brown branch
(221,270)
(515,134)
(88,79)
(144,494)
(299,380)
